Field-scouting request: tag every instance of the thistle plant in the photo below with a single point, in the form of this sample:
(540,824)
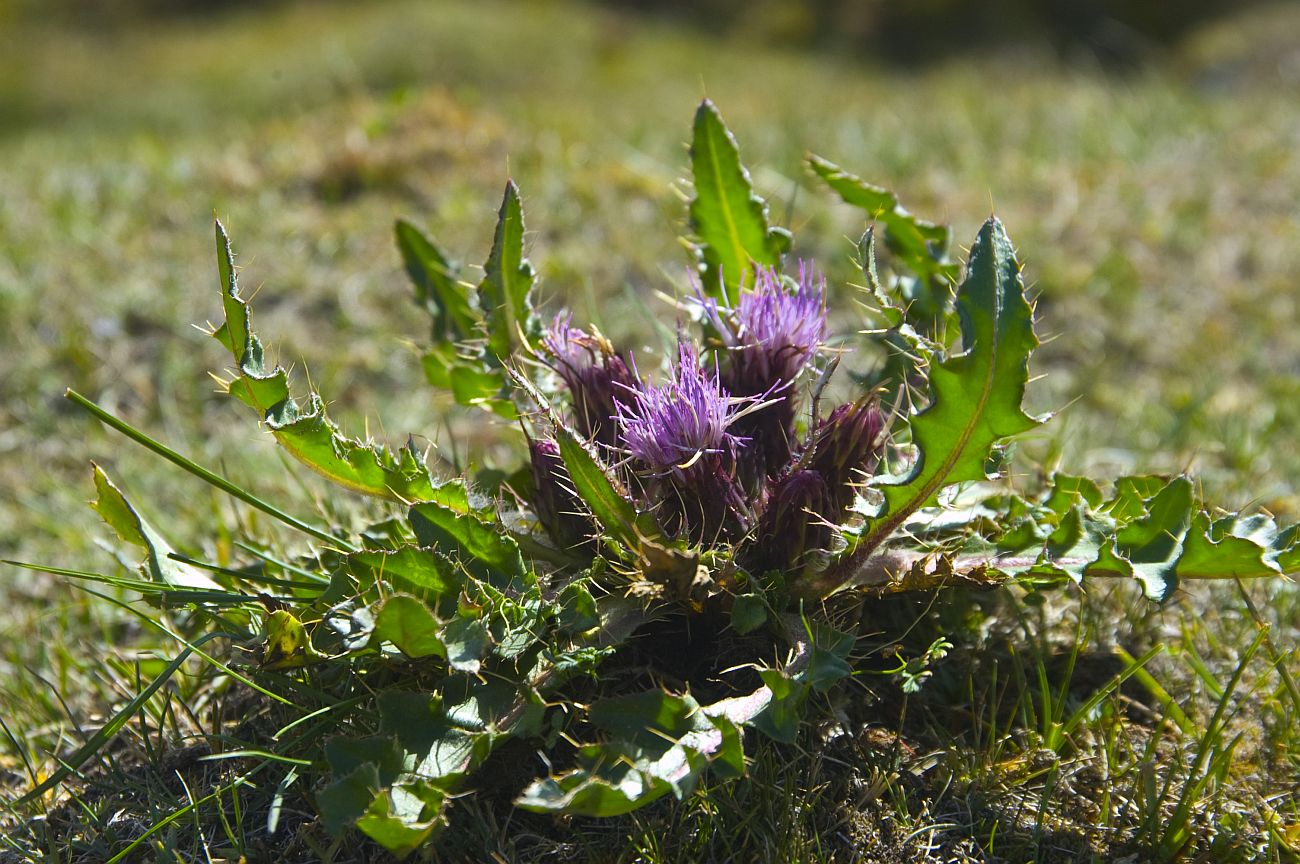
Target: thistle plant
(726,490)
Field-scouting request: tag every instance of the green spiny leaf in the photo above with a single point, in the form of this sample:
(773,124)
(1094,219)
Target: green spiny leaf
(409,624)
(423,572)
(310,436)
(1216,552)
(975,396)
(403,818)
(344,800)
(438,289)
(369,467)
(748,613)
(467,641)
(728,220)
(1148,548)
(921,246)
(662,744)
(486,550)
(506,290)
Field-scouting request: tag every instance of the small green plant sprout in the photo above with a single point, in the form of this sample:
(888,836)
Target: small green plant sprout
(663,574)
(914,672)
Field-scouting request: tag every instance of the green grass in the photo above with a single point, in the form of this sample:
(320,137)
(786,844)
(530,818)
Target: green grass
(1157,219)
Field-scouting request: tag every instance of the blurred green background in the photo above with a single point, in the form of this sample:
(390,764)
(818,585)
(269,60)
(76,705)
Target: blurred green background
(1143,156)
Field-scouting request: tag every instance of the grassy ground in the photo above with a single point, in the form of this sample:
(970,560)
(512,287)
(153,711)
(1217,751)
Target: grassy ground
(1156,214)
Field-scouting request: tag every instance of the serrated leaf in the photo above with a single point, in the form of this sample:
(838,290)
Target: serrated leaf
(343,801)
(505,292)
(922,246)
(391,820)
(646,719)
(1068,491)
(728,219)
(487,551)
(438,289)
(748,613)
(345,755)
(578,611)
(779,719)
(420,571)
(411,626)
(662,744)
(1129,500)
(619,789)
(829,661)
(975,397)
(1215,551)
(129,525)
(467,641)
(314,439)
(310,436)
(469,379)
(1148,548)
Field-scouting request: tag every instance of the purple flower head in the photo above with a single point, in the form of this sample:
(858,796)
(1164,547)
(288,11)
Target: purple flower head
(671,428)
(594,373)
(679,435)
(846,449)
(768,339)
(772,332)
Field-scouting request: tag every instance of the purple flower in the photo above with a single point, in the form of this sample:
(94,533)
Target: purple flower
(772,332)
(768,339)
(594,373)
(678,435)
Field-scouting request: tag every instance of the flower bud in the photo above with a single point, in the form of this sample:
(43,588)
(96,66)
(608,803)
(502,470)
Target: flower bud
(594,373)
(556,504)
(846,449)
(793,522)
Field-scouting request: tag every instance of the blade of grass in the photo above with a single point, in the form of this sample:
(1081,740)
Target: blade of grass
(1106,689)
(1173,839)
(141,586)
(204,474)
(245,576)
(1278,660)
(112,727)
(208,658)
(1167,703)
